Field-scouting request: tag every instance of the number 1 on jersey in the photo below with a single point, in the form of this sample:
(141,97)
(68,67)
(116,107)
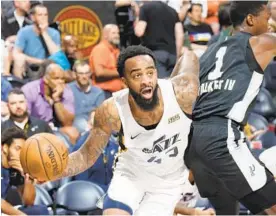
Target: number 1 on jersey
(217,73)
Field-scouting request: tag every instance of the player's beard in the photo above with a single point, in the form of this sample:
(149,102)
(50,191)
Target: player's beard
(146,104)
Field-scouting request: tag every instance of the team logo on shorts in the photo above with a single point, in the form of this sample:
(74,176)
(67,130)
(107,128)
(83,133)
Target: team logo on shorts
(83,23)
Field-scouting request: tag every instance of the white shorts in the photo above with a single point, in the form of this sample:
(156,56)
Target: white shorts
(269,159)
(142,197)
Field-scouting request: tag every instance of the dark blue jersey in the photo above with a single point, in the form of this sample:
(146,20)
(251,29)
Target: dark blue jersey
(230,79)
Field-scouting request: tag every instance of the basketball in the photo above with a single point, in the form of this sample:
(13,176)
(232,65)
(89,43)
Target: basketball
(44,157)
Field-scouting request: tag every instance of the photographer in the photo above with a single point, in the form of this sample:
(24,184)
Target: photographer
(12,141)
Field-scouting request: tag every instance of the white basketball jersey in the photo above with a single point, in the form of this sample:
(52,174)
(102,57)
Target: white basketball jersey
(157,152)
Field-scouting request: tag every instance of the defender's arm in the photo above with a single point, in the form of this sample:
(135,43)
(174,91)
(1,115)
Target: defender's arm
(185,80)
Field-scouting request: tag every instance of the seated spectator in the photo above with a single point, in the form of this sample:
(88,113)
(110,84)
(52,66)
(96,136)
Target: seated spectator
(32,43)
(51,100)
(70,48)
(199,33)
(6,57)
(19,116)
(11,23)
(87,97)
(12,141)
(6,87)
(103,61)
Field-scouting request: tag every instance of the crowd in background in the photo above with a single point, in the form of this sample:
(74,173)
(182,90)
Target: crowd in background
(47,85)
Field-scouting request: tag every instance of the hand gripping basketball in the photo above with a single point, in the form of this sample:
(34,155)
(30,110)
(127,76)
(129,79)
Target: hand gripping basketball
(44,157)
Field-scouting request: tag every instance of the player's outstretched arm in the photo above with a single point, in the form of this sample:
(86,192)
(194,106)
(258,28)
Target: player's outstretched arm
(106,120)
(185,80)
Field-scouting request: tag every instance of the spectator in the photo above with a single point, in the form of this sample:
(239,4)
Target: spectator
(181,7)
(70,48)
(10,25)
(6,57)
(204,5)
(224,22)
(103,61)
(87,97)
(12,141)
(126,14)
(19,116)
(31,42)
(272,7)
(51,100)
(161,31)
(182,13)
(6,87)
(271,25)
(199,33)
(272,20)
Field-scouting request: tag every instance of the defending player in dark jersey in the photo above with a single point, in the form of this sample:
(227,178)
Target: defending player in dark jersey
(231,74)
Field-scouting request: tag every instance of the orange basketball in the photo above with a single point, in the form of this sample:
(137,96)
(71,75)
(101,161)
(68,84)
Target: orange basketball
(44,157)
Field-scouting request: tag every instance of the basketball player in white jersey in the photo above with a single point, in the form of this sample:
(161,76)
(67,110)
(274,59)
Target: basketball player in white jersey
(151,117)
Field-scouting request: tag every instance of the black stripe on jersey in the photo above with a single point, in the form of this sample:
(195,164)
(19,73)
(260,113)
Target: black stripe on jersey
(253,65)
(121,139)
(236,132)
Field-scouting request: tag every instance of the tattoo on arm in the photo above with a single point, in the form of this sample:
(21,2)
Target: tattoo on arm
(186,91)
(106,120)
(185,80)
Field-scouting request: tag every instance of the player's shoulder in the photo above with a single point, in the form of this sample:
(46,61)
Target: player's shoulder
(267,41)
(110,106)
